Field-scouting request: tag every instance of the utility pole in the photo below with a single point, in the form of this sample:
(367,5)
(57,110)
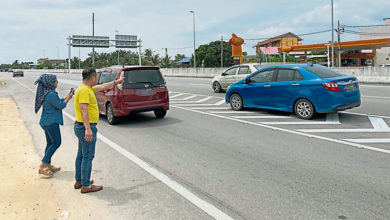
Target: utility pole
(221,50)
(339,42)
(193,13)
(79,58)
(332,36)
(93,34)
(166,58)
(69,51)
(139,55)
(117,51)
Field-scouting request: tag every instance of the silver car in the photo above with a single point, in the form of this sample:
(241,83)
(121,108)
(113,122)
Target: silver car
(233,74)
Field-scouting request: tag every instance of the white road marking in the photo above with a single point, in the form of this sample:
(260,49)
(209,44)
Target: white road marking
(211,108)
(70,82)
(300,123)
(370,140)
(195,104)
(194,199)
(177,95)
(220,102)
(205,99)
(232,112)
(379,125)
(290,131)
(376,97)
(183,99)
(261,117)
(331,119)
(177,101)
(354,113)
(24,86)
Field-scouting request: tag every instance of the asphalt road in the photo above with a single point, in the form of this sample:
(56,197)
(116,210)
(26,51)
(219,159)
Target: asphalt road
(250,165)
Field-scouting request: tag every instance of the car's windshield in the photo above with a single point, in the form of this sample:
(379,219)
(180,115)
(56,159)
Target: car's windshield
(322,71)
(137,78)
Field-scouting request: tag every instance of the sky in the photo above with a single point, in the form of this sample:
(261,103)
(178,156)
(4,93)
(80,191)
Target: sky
(32,29)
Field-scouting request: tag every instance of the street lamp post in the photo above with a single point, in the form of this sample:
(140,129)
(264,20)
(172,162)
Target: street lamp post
(332,36)
(117,32)
(193,15)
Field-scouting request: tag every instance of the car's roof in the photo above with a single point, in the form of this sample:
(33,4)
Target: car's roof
(121,67)
(290,65)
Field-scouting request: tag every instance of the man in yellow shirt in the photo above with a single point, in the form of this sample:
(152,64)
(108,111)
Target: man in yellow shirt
(87,116)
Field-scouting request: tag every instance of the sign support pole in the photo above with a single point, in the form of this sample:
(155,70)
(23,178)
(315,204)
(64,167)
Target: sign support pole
(69,55)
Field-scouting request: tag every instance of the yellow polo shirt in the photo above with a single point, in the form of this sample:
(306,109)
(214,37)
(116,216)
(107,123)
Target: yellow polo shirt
(86,94)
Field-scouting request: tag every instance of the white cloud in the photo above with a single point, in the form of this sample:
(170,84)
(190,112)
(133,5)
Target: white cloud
(31,26)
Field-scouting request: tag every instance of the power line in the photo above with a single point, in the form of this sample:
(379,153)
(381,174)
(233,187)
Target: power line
(360,26)
(299,35)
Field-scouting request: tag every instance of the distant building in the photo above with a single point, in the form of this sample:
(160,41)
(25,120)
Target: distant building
(185,62)
(54,62)
(270,46)
(383,54)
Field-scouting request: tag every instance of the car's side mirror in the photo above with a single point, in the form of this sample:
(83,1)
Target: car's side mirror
(223,74)
(248,80)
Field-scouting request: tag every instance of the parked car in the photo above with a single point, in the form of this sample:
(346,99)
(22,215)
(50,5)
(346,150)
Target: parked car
(10,70)
(17,73)
(384,65)
(231,75)
(144,89)
(305,89)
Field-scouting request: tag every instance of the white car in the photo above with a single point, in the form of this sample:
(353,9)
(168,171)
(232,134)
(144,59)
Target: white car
(233,74)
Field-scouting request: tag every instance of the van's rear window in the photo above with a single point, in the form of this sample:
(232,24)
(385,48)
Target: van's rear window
(322,71)
(137,78)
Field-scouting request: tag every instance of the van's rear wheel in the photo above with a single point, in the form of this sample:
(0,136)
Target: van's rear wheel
(110,114)
(160,113)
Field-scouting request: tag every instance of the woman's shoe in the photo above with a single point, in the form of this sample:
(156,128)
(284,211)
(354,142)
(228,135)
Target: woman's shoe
(53,168)
(45,170)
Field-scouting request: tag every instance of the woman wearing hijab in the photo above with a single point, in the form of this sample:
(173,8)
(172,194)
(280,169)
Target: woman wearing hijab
(51,118)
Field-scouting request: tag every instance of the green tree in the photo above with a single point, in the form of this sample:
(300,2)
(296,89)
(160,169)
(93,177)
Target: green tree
(210,54)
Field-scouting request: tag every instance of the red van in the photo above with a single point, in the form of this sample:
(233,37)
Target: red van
(144,89)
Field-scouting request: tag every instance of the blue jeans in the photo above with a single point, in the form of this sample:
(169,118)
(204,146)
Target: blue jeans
(53,141)
(85,155)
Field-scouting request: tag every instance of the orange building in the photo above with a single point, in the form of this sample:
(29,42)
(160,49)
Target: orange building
(361,59)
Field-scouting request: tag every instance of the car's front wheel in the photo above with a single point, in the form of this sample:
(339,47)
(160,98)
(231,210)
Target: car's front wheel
(217,87)
(160,113)
(304,109)
(110,114)
(236,102)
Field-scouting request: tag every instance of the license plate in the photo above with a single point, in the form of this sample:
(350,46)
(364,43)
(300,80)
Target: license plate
(350,87)
(144,91)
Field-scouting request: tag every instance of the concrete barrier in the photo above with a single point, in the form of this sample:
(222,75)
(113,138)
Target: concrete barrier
(368,74)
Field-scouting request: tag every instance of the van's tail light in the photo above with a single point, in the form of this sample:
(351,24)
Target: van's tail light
(331,86)
(120,86)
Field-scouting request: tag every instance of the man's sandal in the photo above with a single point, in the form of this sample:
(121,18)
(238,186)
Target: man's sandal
(45,171)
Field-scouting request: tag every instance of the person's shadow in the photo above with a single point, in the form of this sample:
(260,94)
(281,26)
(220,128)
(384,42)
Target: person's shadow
(117,197)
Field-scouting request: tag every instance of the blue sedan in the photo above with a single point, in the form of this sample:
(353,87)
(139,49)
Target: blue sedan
(305,89)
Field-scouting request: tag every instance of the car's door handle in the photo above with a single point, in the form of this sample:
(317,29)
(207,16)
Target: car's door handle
(267,85)
(295,84)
